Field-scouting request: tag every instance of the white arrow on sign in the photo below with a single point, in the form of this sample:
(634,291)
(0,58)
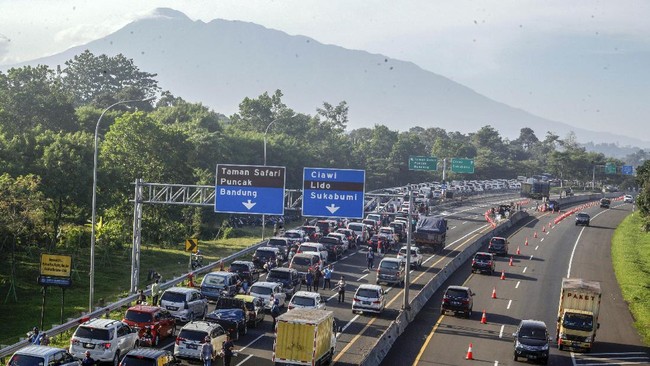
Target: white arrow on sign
(331,208)
(249,204)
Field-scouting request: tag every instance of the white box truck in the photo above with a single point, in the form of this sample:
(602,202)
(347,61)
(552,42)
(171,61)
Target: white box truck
(304,337)
(577,314)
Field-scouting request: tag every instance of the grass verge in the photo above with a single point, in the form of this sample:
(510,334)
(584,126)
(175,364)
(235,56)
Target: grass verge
(631,261)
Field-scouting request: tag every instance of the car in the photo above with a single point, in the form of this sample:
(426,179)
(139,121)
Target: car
(532,341)
(245,270)
(313,232)
(152,323)
(149,357)
(296,237)
(498,246)
(220,283)
(350,235)
(317,248)
(232,320)
(326,226)
(391,271)
(369,299)
(343,240)
(263,255)
(416,256)
(192,336)
(34,355)
(583,218)
(334,247)
(282,243)
(373,242)
(301,262)
(307,300)
(400,230)
(483,262)
(628,198)
(389,232)
(360,230)
(265,290)
(458,299)
(184,303)
(605,202)
(106,340)
(254,307)
(288,277)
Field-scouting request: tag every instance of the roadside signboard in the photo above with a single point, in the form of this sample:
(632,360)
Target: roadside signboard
(55,270)
(462,165)
(333,192)
(192,245)
(250,189)
(627,170)
(610,168)
(423,163)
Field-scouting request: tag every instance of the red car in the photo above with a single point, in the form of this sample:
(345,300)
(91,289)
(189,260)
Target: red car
(152,322)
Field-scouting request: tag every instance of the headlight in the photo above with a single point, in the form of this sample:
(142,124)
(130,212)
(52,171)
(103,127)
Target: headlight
(545,347)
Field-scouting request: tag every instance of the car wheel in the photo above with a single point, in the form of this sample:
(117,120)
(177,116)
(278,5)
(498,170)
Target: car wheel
(442,311)
(116,358)
(545,361)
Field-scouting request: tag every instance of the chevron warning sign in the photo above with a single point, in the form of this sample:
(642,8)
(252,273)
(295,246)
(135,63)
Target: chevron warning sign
(192,245)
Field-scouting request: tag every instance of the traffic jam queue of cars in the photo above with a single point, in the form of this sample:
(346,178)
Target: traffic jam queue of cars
(241,300)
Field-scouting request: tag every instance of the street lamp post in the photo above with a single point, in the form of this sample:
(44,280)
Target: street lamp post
(93,217)
(265,133)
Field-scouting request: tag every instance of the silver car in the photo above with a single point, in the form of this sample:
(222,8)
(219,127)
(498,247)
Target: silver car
(192,336)
(185,304)
(42,355)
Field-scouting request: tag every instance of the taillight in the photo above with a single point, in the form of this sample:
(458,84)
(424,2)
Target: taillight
(356,299)
(179,340)
(473,261)
(74,341)
(376,302)
(290,307)
(489,263)
(107,345)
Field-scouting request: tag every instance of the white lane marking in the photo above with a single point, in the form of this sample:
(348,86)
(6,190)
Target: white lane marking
(575,245)
(244,360)
(466,235)
(501,331)
(524,271)
(350,322)
(517,285)
(542,240)
(453,227)
(360,278)
(496,363)
(463,223)
(537,247)
(333,296)
(253,341)
(509,303)
(428,259)
(531,258)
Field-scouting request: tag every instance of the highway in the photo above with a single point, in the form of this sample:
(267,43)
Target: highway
(360,331)
(530,290)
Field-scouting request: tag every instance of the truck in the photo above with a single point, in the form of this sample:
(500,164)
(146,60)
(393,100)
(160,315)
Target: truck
(430,233)
(577,314)
(535,189)
(304,337)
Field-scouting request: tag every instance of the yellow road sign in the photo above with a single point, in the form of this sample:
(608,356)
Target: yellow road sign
(192,245)
(55,265)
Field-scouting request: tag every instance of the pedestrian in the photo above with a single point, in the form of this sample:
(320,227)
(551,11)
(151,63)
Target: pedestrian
(87,361)
(370,257)
(327,277)
(275,311)
(141,299)
(33,335)
(155,292)
(317,275)
(207,351)
(309,278)
(379,247)
(341,287)
(228,350)
(292,252)
(45,340)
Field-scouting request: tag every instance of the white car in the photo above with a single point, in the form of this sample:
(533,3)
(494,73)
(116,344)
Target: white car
(628,198)
(106,339)
(192,336)
(416,256)
(307,300)
(369,298)
(265,290)
(390,233)
(317,248)
(361,230)
(344,240)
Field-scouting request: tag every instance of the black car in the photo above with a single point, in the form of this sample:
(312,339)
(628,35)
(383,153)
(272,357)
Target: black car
(532,341)
(498,246)
(289,278)
(232,321)
(458,299)
(334,247)
(582,219)
(246,271)
(605,202)
(483,262)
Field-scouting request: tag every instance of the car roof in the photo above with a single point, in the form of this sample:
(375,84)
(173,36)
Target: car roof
(145,308)
(265,284)
(460,288)
(282,269)
(182,290)
(148,352)
(246,298)
(306,255)
(309,294)
(221,273)
(485,253)
(42,351)
(391,260)
(369,286)
(101,323)
(499,237)
(532,323)
(199,325)
(268,248)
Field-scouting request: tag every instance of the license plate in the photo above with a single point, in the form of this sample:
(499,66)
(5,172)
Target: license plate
(365,302)
(191,346)
(455,303)
(89,345)
(532,357)
(172,308)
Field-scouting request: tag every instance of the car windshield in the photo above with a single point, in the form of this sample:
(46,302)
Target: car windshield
(532,333)
(265,253)
(261,290)
(138,316)
(356,227)
(583,215)
(328,240)
(214,280)
(173,296)
(497,241)
(239,267)
(301,261)
(26,360)
(283,275)
(482,257)
(456,293)
(386,231)
(292,235)
(578,321)
(93,333)
(303,301)
(367,292)
(277,242)
(305,248)
(389,265)
(403,251)
(192,335)
(129,360)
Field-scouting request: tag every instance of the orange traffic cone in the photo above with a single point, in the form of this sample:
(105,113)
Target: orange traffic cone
(469,356)
(518,251)
(494,292)
(526,241)
(503,274)
(483,318)
(510,263)
(535,234)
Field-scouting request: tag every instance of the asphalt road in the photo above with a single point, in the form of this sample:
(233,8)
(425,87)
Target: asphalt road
(530,290)
(360,331)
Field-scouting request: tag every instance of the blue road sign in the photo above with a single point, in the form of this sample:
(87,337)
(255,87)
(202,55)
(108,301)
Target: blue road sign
(333,192)
(627,170)
(250,189)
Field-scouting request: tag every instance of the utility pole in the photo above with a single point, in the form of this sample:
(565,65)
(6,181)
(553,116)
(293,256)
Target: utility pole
(407,280)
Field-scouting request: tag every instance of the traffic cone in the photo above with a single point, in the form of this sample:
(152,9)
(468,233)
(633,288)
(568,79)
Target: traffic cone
(469,356)
(518,251)
(503,274)
(526,241)
(494,292)
(510,263)
(535,234)
(483,318)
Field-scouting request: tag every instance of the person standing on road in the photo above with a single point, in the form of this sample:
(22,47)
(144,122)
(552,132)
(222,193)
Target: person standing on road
(275,311)
(155,292)
(370,257)
(327,277)
(341,287)
(309,278)
(87,361)
(228,349)
(207,351)
(318,273)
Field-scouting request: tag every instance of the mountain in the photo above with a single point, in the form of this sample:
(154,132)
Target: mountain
(221,62)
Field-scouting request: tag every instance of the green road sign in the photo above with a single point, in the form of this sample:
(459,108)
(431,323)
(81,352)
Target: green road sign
(610,168)
(462,165)
(423,163)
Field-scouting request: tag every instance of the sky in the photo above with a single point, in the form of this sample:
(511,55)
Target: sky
(582,62)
